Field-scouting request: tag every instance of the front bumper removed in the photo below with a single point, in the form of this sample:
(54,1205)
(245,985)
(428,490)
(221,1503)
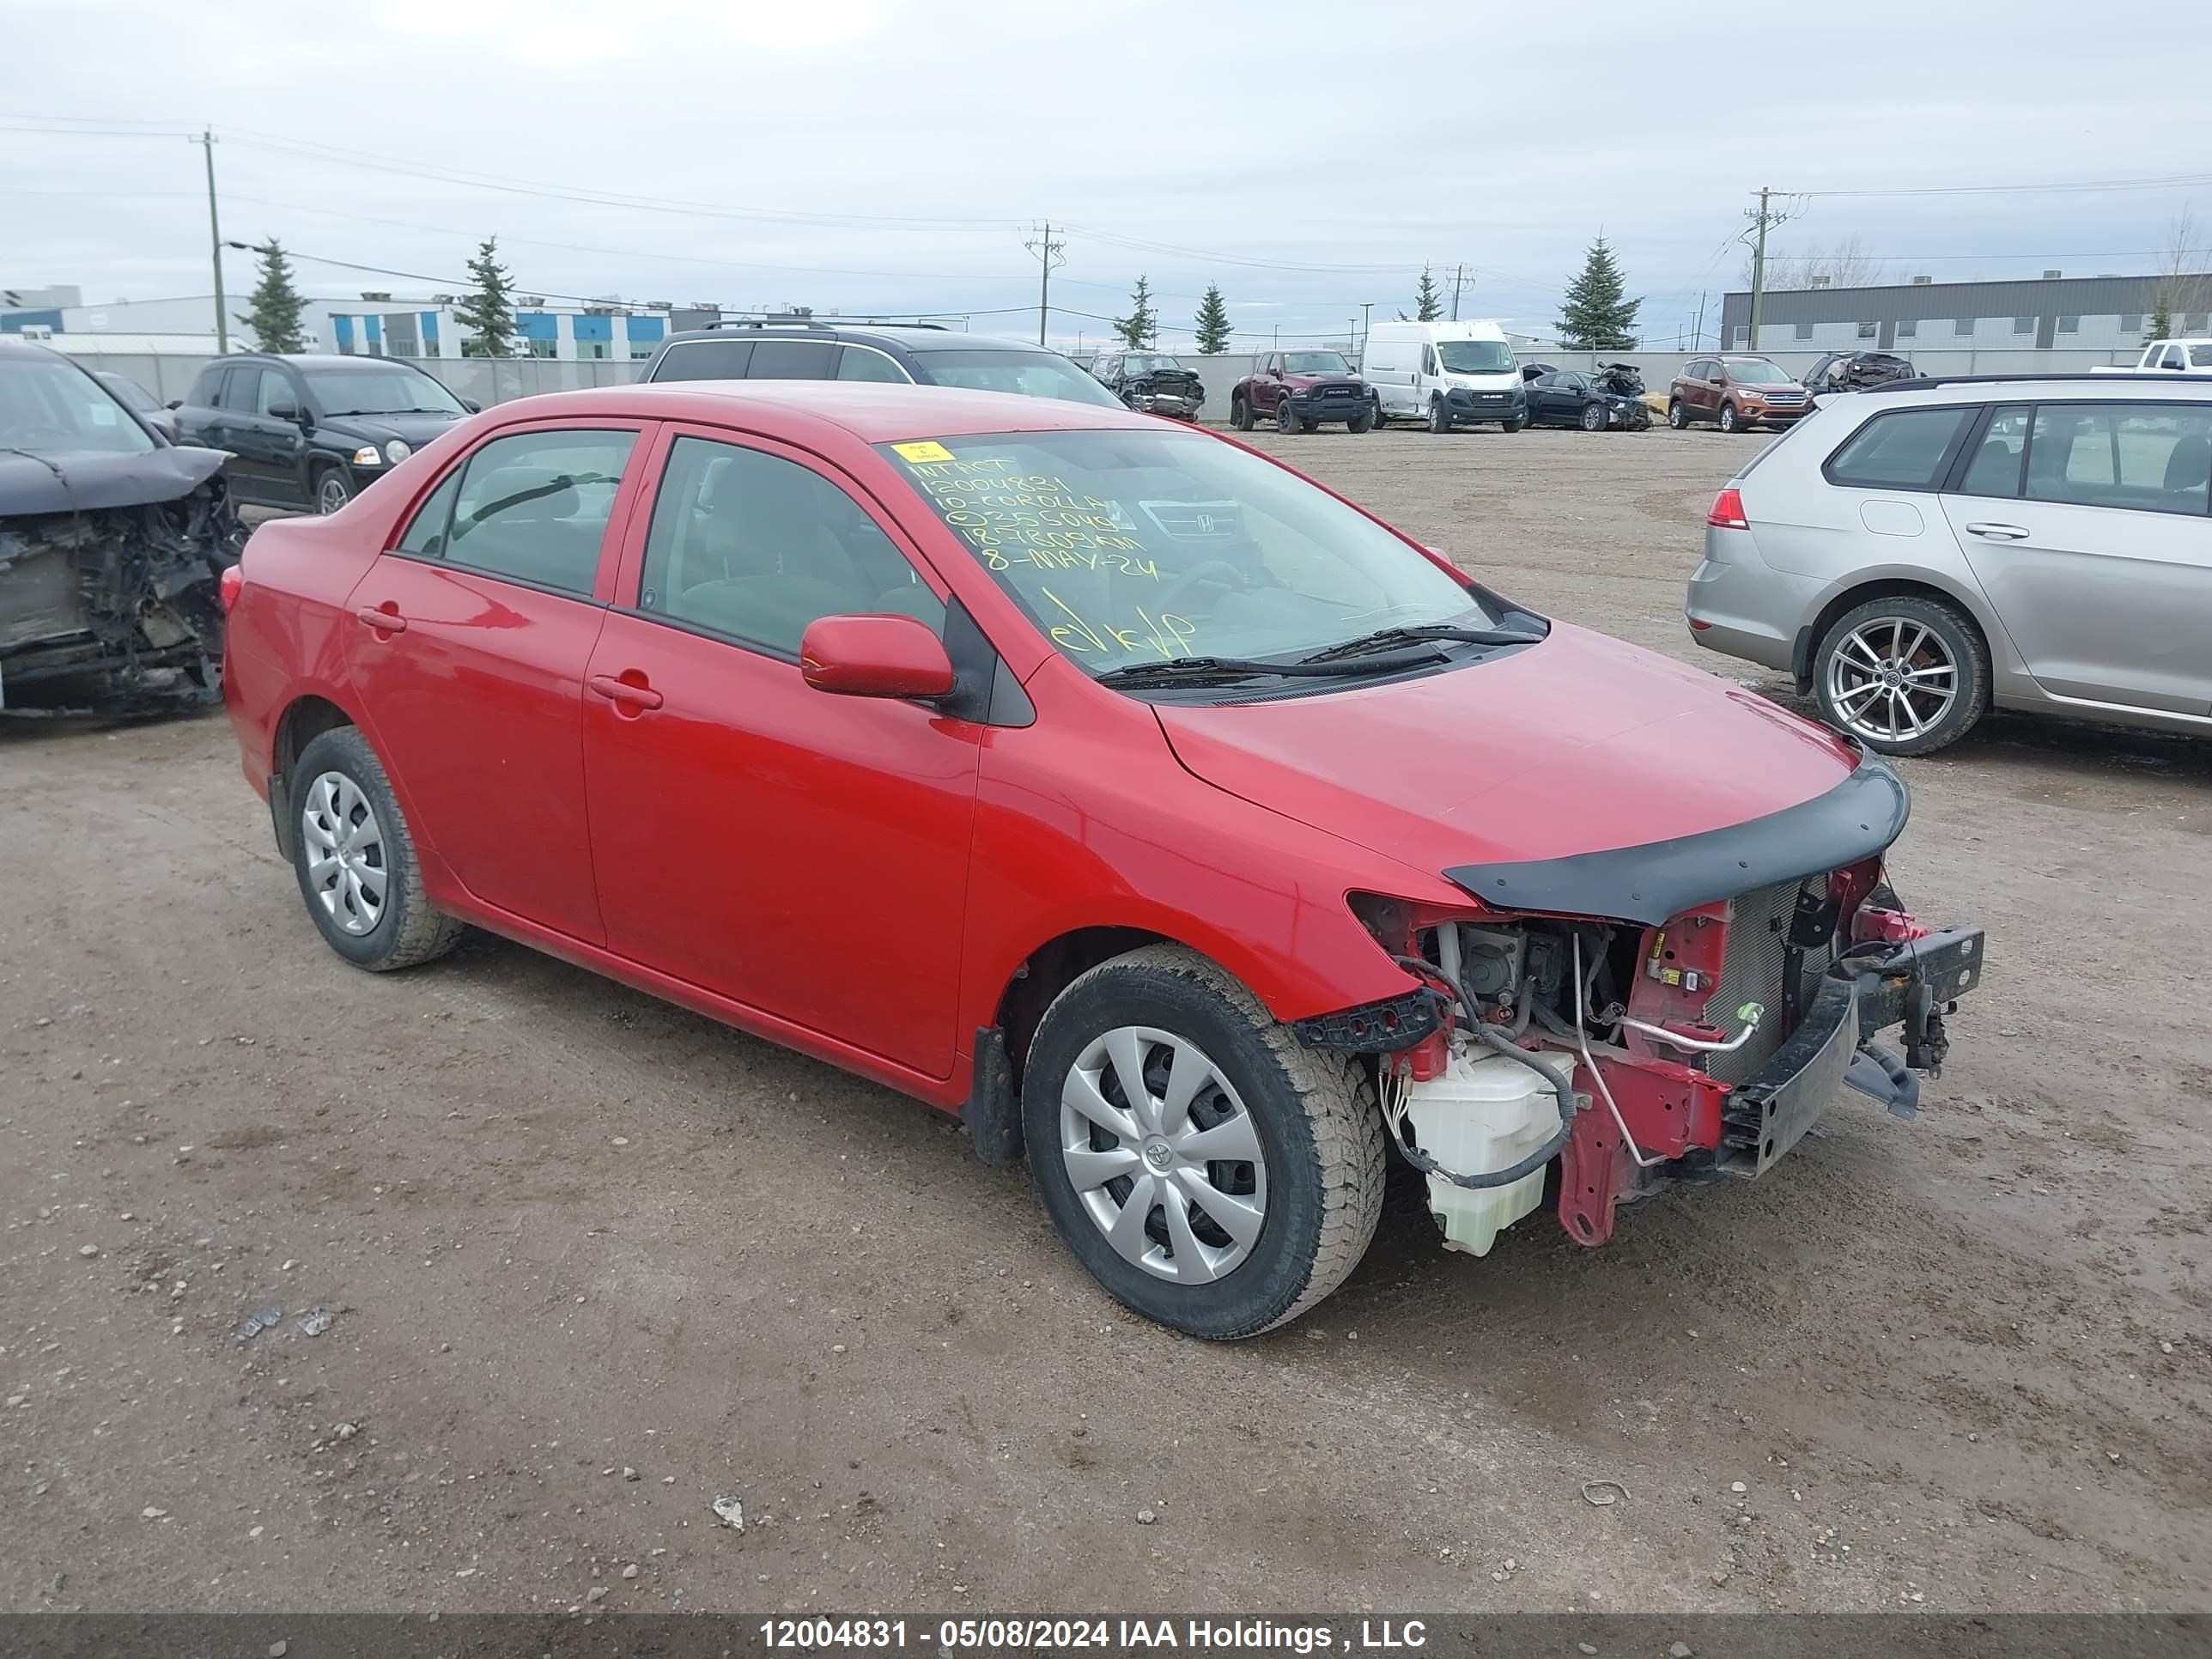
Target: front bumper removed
(1911,984)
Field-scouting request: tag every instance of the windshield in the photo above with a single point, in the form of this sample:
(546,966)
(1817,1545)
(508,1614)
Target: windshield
(1031,374)
(381,391)
(1138,362)
(51,407)
(1314,362)
(2200,357)
(1475,356)
(1757,371)
(1131,547)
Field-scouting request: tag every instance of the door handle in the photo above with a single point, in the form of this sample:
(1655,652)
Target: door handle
(1998,532)
(623,692)
(383,621)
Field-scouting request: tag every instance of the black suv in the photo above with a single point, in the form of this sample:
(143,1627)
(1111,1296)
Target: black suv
(311,431)
(922,354)
(1151,381)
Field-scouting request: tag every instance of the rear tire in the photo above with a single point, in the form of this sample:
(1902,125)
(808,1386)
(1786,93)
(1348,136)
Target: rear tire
(1677,416)
(1882,672)
(1310,1185)
(1240,415)
(355,857)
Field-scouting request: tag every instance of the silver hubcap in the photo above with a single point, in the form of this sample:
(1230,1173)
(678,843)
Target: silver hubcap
(1892,678)
(333,494)
(1162,1155)
(347,870)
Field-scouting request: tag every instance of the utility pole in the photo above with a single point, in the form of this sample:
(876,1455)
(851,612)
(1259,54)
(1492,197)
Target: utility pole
(1459,275)
(206,141)
(1366,327)
(1763,219)
(1697,334)
(1049,254)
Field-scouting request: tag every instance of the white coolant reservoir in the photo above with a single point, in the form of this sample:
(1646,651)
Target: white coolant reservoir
(1485,1113)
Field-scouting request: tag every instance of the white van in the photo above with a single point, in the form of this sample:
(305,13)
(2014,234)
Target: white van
(1446,374)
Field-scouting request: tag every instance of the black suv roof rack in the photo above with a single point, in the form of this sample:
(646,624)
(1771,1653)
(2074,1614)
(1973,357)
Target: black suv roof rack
(2117,377)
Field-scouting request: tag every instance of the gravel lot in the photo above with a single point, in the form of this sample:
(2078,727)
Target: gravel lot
(596,1262)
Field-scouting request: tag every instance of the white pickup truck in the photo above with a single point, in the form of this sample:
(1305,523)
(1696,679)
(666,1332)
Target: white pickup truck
(2184,356)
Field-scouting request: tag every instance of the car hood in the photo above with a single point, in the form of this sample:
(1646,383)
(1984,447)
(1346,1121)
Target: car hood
(1304,380)
(62,483)
(415,430)
(1580,744)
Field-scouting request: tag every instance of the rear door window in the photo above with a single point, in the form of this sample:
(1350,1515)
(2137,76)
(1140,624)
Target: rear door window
(705,360)
(866,363)
(1995,468)
(2155,457)
(793,359)
(533,508)
(1903,449)
(242,392)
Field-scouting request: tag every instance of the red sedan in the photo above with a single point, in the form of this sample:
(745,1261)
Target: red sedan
(1105,783)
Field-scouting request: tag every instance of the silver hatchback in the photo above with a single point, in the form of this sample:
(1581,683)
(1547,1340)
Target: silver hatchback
(1916,554)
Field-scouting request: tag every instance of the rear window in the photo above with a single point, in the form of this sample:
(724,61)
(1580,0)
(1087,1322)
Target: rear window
(1904,449)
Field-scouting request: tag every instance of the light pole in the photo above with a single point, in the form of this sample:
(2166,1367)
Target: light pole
(206,141)
(1366,323)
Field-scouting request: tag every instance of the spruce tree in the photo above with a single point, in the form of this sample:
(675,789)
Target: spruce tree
(275,318)
(487,316)
(1138,328)
(1595,316)
(1213,322)
(1428,304)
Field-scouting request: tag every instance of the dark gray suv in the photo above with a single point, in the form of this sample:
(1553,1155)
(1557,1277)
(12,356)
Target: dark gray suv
(913,354)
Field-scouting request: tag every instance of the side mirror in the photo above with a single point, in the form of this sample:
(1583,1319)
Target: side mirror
(874,657)
(284,411)
(471,405)
(175,402)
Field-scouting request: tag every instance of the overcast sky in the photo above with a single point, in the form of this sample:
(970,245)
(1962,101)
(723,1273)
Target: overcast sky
(873,156)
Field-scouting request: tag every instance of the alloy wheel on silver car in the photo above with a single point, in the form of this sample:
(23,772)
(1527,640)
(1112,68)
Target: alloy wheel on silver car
(1893,679)
(1162,1155)
(347,868)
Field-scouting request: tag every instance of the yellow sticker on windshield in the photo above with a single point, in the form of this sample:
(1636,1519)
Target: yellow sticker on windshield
(928,450)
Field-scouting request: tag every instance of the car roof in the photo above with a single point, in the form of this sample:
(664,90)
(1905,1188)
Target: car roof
(873,411)
(916,339)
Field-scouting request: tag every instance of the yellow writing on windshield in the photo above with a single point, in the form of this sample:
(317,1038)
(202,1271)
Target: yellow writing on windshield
(1169,635)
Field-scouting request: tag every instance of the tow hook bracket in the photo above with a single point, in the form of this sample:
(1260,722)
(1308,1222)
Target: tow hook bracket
(1876,1072)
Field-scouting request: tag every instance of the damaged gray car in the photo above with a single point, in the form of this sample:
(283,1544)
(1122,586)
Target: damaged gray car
(113,543)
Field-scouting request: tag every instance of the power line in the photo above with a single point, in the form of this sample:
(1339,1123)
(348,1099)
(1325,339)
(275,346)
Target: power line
(2187,181)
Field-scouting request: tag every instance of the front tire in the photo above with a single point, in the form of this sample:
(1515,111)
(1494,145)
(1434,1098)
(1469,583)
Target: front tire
(333,489)
(1439,417)
(1240,415)
(1731,421)
(1361,422)
(1286,418)
(1593,417)
(355,857)
(1905,675)
(1211,1172)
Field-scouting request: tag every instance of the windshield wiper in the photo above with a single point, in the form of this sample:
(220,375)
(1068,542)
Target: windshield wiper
(1198,671)
(1383,639)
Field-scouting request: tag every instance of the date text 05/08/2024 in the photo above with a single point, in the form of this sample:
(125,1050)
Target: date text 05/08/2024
(822,1632)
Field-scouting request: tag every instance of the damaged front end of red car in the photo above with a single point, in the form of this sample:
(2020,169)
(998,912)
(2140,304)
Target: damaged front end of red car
(1674,1012)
